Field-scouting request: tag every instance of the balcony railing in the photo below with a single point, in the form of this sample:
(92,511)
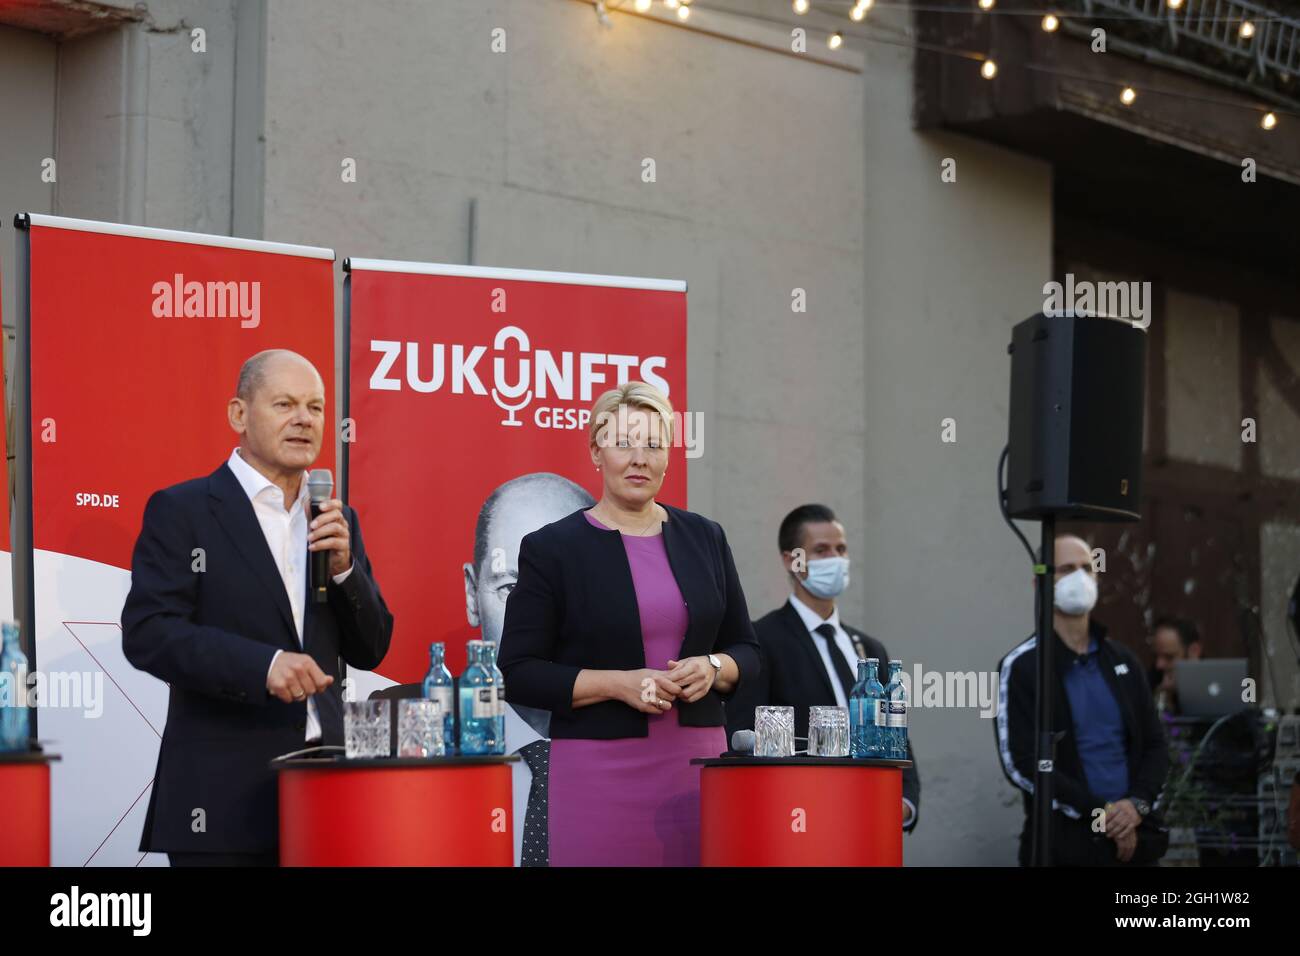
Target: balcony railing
(1270,45)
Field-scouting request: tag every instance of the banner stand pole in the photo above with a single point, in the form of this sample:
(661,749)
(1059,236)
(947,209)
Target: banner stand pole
(24,558)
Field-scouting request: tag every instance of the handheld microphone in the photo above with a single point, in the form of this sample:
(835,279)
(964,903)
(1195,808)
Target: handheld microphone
(320,485)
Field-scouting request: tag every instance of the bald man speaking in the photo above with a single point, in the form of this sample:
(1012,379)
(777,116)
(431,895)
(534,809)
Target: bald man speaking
(219,609)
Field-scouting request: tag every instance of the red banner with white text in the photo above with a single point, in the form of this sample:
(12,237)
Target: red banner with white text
(469,398)
(459,385)
(136,338)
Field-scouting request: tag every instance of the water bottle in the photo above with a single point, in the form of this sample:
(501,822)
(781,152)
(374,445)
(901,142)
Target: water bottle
(497,741)
(860,714)
(438,686)
(477,703)
(875,694)
(896,719)
(14,726)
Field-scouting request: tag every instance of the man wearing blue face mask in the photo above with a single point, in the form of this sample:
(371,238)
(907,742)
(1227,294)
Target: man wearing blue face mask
(809,657)
(1111,758)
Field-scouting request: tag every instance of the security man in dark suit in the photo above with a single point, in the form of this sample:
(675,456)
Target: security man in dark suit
(808,656)
(219,609)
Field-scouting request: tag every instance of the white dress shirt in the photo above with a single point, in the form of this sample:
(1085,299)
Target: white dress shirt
(812,620)
(286,536)
(844,644)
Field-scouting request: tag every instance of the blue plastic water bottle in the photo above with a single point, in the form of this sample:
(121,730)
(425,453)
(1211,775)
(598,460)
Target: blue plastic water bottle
(14,716)
(439,686)
(497,739)
(861,717)
(896,718)
(875,693)
(477,703)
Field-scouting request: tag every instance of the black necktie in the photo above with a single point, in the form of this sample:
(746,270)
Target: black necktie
(536,846)
(842,672)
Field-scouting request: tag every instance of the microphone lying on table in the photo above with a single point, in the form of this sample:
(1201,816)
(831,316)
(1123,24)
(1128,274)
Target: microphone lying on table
(743,742)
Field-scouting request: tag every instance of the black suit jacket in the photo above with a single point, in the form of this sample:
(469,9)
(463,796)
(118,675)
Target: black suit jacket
(211,635)
(575,607)
(792,674)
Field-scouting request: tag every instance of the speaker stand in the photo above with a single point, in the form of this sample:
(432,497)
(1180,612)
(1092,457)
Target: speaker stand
(1044,738)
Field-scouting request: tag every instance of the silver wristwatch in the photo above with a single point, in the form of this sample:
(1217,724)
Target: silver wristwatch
(717,665)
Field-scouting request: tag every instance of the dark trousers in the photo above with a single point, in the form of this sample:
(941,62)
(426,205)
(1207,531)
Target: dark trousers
(224,859)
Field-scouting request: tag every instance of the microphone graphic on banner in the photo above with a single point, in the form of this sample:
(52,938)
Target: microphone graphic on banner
(511,409)
(320,485)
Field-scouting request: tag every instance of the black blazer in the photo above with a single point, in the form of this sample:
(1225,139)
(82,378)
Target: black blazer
(574,607)
(211,635)
(792,674)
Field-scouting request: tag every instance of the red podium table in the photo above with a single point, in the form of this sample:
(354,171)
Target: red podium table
(395,811)
(801,811)
(25,808)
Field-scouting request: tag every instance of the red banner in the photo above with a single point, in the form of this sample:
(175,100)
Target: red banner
(136,338)
(467,383)
(135,346)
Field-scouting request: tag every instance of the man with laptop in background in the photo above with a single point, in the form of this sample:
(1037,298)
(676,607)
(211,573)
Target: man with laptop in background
(1184,684)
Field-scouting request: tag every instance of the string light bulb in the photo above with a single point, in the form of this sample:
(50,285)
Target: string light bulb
(672,4)
(860,10)
(801,6)
(1268,121)
(1246,30)
(987,4)
(835,40)
(1050,23)
(643,5)
(1174,4)
(683,10)
(1128,95)
(988,69)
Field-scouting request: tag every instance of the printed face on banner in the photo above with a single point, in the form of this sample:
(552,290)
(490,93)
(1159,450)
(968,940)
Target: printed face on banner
(471,399)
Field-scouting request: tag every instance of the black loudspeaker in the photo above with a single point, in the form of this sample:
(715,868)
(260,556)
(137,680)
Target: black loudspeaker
(1075,430)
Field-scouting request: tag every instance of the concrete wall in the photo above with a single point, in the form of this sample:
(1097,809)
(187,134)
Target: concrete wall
(27,62)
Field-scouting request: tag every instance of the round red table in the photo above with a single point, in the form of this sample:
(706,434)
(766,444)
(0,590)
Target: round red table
(25,808)
(396,811)
(801,811)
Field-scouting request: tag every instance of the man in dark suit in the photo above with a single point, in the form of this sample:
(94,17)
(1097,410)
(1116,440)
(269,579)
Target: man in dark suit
(809,656)
(219,609)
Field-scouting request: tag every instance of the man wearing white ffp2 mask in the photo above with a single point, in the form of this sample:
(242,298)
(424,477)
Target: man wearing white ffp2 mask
(1111,761)
(1076,593)
(808,655)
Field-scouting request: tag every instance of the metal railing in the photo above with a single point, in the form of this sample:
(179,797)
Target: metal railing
(1274,45)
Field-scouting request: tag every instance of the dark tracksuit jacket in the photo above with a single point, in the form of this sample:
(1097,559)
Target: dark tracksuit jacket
(1074,803)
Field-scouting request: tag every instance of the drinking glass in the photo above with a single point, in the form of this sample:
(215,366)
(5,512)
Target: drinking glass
(366,728)
(419,728)
(774,731)
(828,732)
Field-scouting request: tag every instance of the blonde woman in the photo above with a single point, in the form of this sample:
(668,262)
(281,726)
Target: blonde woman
(629,625)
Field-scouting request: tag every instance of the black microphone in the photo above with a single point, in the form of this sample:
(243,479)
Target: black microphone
(320,485)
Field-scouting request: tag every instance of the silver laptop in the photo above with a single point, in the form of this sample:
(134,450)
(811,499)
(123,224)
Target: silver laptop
(1210,688)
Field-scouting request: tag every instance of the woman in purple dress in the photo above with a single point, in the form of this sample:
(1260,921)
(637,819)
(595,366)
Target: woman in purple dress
(629,624)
